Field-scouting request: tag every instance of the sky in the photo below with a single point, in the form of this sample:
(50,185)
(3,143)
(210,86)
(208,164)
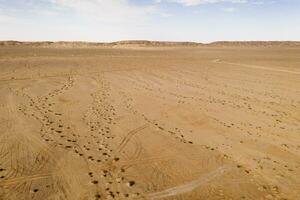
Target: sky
(164,20)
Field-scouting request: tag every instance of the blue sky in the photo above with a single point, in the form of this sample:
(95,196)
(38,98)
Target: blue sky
(169,20)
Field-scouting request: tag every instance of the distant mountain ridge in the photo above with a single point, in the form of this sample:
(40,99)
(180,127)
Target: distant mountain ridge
(255,43)
(147,43)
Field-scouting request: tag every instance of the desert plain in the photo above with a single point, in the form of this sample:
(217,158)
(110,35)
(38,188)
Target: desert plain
(187,122)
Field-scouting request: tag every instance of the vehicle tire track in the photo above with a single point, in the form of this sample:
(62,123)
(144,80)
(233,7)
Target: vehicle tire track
(190,186)
(129,135)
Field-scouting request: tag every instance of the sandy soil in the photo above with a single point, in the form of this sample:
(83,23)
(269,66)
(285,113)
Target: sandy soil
(149,123)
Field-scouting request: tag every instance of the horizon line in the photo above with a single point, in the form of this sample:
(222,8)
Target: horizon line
(146,41)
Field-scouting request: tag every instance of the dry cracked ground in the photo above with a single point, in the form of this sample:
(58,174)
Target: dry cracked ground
(149,123)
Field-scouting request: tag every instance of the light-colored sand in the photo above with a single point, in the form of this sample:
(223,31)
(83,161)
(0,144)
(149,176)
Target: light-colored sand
(149,123)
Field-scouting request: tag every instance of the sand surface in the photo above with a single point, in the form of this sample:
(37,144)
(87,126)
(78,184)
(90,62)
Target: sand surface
(149,123)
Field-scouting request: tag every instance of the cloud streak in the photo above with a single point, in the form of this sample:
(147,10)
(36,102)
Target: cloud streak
(104,10)
(229,10)
(199,2)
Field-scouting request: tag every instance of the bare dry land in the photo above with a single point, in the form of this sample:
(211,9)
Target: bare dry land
(198,122)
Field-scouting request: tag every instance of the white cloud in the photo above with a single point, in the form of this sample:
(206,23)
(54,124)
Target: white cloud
(167,15)
(199,2)
(7,19)
(229,9)
(105,10)
(88,20)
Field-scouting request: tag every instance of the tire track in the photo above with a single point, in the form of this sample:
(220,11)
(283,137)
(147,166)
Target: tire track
(17,180)
(256,67)
(129,135)
(190,186)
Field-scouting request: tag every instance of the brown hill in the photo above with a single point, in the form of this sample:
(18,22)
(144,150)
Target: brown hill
(255,43)
(146,43)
